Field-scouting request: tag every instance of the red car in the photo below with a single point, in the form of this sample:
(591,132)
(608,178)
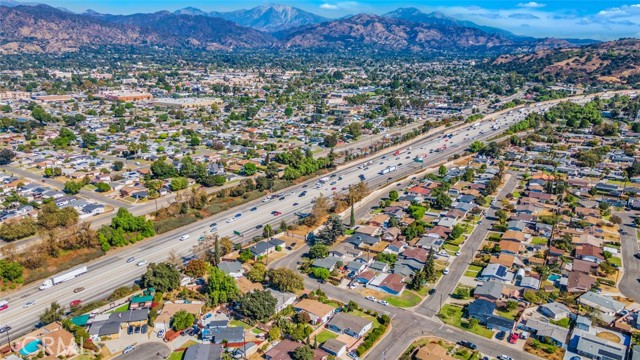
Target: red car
(277,213)
(75,303)
(513,338)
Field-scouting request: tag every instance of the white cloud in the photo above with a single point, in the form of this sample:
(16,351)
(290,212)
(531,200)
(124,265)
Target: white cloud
(607,24)
(326,6)
(531,5)
(343,5)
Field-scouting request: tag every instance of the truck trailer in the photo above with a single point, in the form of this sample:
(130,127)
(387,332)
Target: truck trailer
(63,277)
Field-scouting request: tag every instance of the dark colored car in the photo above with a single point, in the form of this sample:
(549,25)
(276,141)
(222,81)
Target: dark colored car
(637,255)
(130,330)
(468,344)
(500,335)
(144,329)
(137,330)
(432,291)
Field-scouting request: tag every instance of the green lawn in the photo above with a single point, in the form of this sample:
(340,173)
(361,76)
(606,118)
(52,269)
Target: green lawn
(457,241)
(472,271)
(615,261)
(507,314)
(349,232)
(256,331)
(516,194)
(333,304)
(239,323)
(562,322)
(176,355)
(538,240)
(325,335)
(494,237)
(466,354)
(122,308)
(452,249)
(452,315)
(407,299)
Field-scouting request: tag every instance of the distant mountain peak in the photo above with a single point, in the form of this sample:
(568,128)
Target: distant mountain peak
(269,17)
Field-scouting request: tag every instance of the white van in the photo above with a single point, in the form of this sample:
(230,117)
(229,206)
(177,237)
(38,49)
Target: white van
(184,237)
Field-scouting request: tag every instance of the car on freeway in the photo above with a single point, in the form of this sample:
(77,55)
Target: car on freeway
(201,238)
(160,333)
(383,302)
(500,335)
(230,220)
(259,226)
(277,213)
(29,304)
(213,225)
(468,344)
(238,215)
(75,303)
(295,204)
(77,290)
(184,237)
(371,298)
(131,259)
(142,263)
(128,349)
(334,188)
(253,209)
(4,329)
(305,186)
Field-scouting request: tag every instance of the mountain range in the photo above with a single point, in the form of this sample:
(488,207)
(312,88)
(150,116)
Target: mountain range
(42,28)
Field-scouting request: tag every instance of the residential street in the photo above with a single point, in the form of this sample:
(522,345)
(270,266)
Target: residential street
(628,285)
(431,306)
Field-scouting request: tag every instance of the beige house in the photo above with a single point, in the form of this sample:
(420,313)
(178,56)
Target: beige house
(163,321)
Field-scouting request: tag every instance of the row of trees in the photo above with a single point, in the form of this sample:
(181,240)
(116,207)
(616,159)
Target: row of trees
(125,229)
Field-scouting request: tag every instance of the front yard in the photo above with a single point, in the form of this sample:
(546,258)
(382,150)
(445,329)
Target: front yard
(325,335)
(452,315)
(472,271)
(406,300)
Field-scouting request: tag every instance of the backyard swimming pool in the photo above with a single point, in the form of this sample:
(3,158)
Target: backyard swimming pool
(30,348)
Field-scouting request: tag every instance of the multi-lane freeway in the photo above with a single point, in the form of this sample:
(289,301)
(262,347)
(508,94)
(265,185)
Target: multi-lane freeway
(112,271)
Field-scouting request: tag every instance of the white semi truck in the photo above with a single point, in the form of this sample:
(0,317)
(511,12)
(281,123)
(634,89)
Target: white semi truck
(387,170)
(62,278)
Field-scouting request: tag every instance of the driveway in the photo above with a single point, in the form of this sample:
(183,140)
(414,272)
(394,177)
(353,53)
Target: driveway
(147,351)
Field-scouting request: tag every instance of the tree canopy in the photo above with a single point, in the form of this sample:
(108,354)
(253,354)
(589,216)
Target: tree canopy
(257,305)
(222,287)
(162,277)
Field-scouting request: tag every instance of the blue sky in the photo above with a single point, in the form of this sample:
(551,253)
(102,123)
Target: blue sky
(602,20)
